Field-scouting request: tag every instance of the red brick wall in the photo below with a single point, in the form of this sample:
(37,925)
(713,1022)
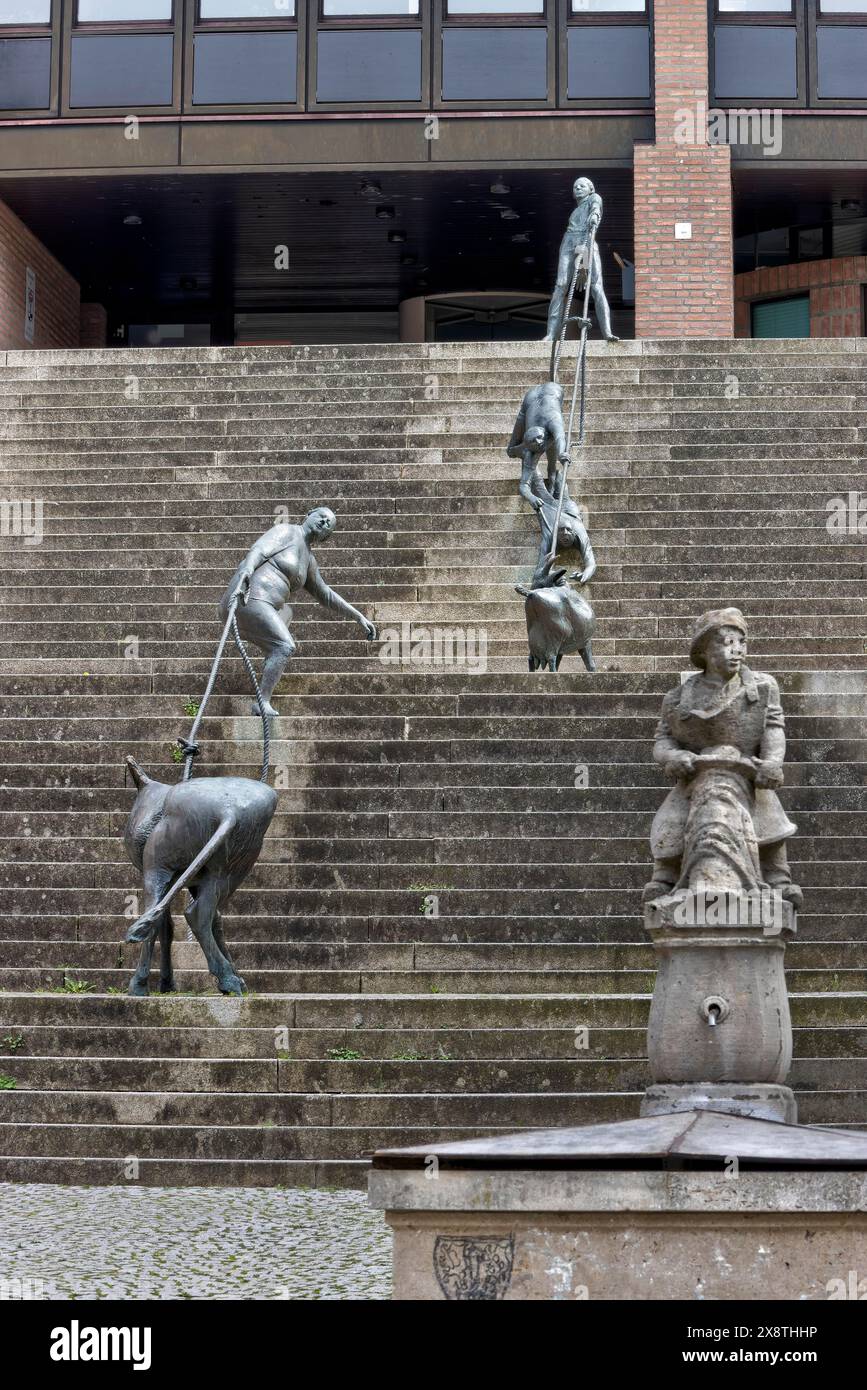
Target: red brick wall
(682,288)
(94,326)
(57,294)
(836,294)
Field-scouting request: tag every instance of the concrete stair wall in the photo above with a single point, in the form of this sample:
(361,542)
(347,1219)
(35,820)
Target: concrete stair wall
(521,803)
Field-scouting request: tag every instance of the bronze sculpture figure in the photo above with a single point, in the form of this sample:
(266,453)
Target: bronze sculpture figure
(579,240)
(559,621)
(204,835)
(722,738)
(539,429)
(281,562)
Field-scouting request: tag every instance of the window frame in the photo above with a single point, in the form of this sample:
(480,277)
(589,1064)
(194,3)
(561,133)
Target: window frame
(193,26)
(20,30)
(547,20)
(507,21)
(422,21)
(795,19)
(124,26)
(125,29)
(366,21)
(605,19)
(207,26)
(50,33)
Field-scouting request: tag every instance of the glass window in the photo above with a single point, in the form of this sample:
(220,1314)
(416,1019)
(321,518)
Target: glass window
(127,70)
(496,7)
(608,62)
(495,64)
(241,67)
(755,60)
(25,11)
(368,65)
(842,60)
(782,318)
(247,9)
(122,11)
(25,74)
(341,9)
(755,6)
(608,6)
(843,6)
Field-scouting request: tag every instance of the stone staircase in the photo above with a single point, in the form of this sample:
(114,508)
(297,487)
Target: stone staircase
(449,893)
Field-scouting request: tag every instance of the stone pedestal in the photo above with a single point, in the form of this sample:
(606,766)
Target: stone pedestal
(720,1032)
(698,1206)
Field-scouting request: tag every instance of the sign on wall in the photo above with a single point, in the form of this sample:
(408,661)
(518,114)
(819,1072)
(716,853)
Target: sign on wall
(30,305)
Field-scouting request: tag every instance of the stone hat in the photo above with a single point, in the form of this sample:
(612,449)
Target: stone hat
(709,622)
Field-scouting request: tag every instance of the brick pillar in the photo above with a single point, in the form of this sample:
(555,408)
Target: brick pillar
(683,289)
(55,322)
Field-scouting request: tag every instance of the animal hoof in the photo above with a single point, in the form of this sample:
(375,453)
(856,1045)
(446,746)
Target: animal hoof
(270,711)
(233,984)
(167,986)
(141,991)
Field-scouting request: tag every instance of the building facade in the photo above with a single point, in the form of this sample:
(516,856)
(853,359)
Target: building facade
(221,171)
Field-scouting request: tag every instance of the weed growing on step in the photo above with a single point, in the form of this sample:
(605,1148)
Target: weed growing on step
(409,1055)
(73,986)
(191,708)
(8,1083)
(177,754)
(343,1054)
(12,1042)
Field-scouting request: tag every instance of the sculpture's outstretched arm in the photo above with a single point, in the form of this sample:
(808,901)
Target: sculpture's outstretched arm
(513,448)
(528,468)
(329,598)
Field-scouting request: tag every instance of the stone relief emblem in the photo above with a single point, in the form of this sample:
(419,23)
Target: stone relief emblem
(470,1268)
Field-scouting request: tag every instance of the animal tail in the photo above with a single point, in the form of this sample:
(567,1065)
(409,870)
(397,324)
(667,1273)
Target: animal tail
(140,930)
(138,774)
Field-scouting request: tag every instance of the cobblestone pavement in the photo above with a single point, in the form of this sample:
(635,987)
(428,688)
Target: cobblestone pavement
(191,1242)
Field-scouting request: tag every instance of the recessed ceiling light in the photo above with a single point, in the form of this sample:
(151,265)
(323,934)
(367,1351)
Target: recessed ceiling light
(521,236)
(386,213)
(499,187)
(369,188)
(132,220)
(397,236)
(509,215)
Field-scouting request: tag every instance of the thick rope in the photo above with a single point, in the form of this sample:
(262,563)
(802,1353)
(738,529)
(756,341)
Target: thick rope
(579,380)
(189,747)
(266,718)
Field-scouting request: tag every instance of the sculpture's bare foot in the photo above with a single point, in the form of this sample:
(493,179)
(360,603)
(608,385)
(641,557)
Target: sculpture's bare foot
(791,893)
(612,338)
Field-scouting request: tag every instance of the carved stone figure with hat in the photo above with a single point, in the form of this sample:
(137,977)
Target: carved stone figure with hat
(721,737)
